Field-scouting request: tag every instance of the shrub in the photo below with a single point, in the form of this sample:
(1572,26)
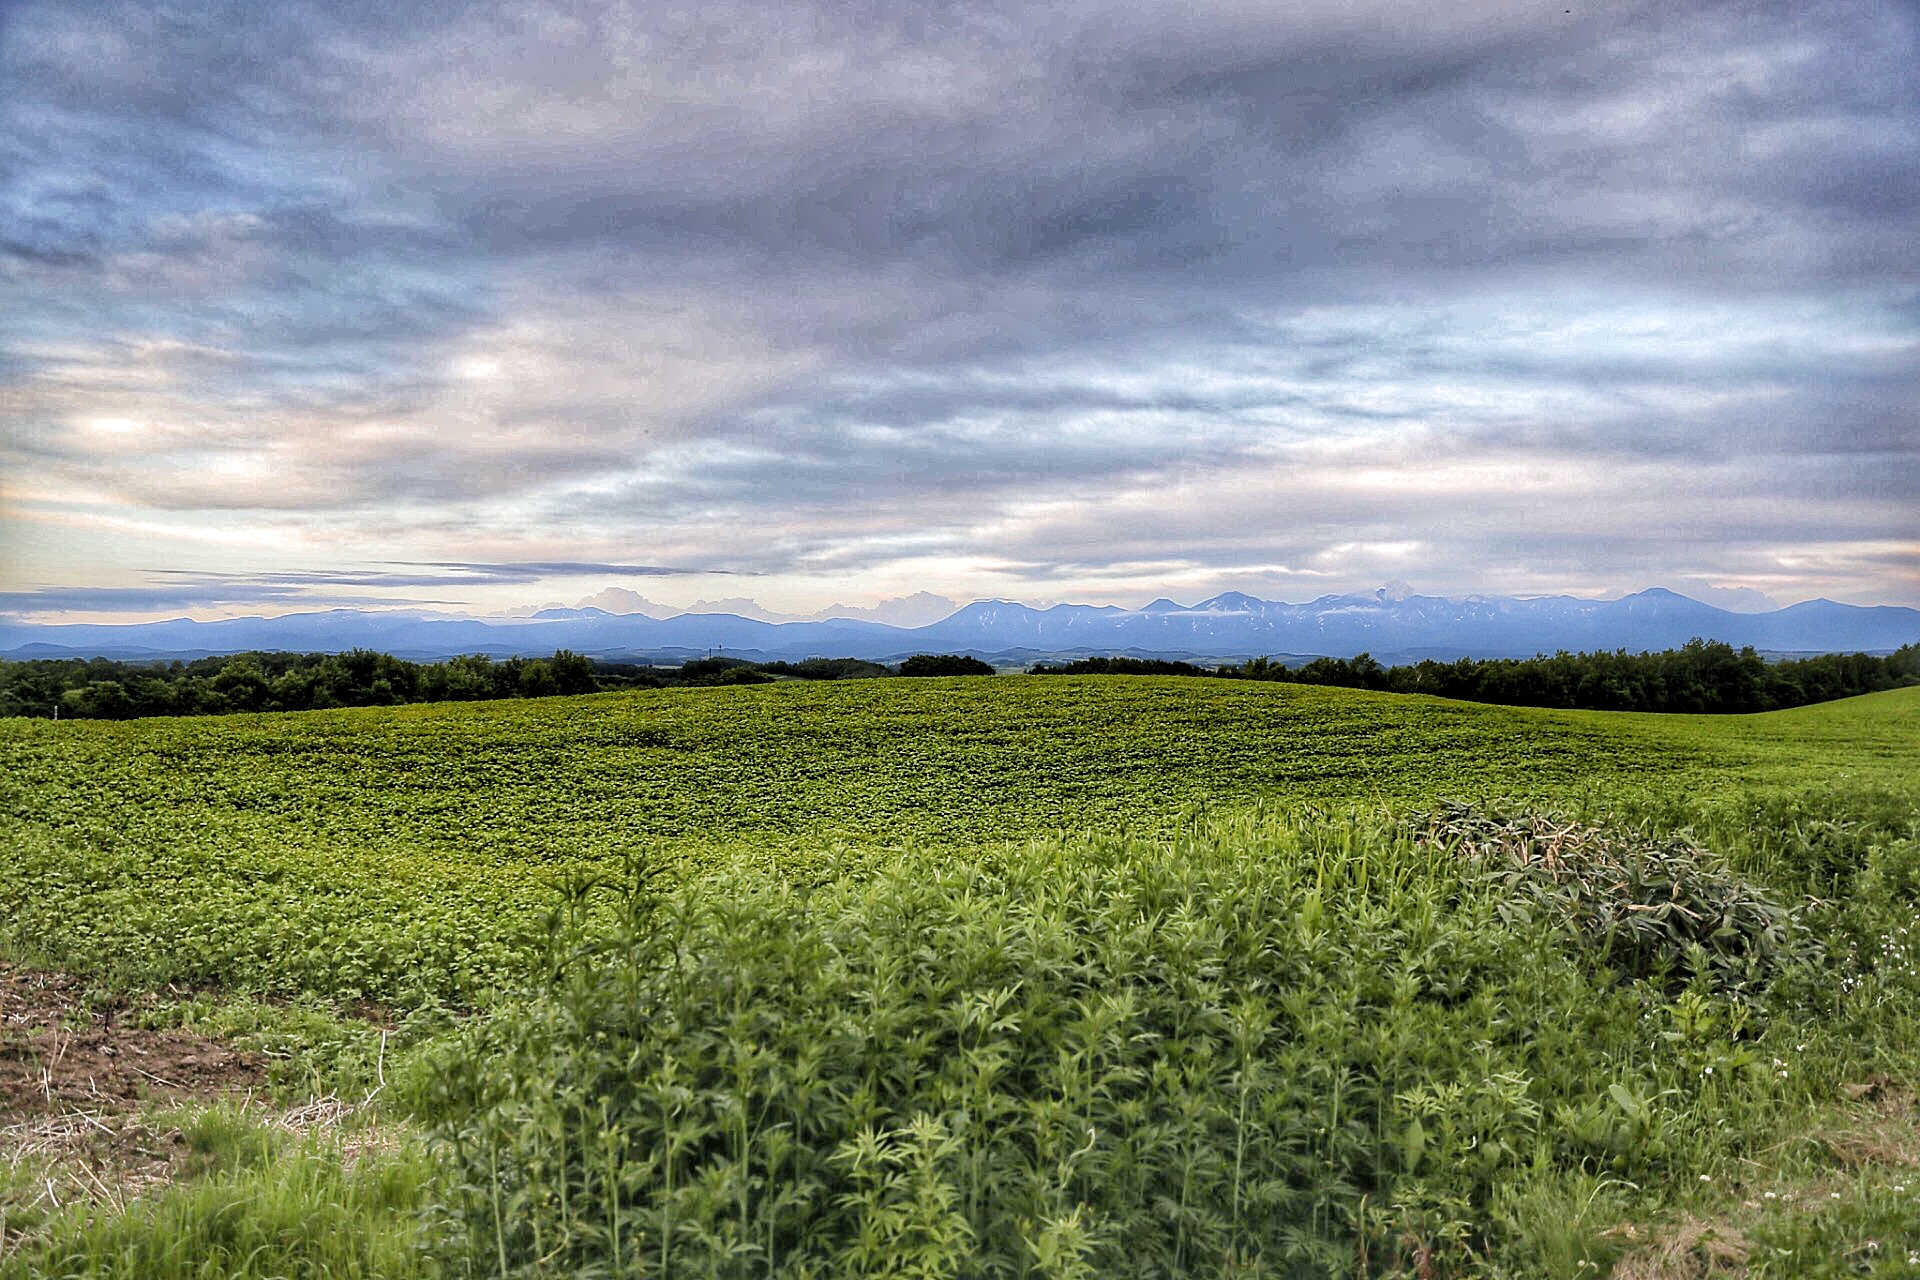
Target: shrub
(1892,874)
(944,664)
(828,669)
(1119,666)
(1652,907)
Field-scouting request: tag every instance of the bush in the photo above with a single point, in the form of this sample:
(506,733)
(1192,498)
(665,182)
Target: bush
(1651,907)
(1119,667)
(828,669)
(944,664)
(722,671)
(1892,874)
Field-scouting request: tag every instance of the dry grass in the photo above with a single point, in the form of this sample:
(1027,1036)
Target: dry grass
(1695,1249)
(1879,1136)
(107,1157)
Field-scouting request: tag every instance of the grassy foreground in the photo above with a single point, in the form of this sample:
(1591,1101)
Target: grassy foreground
(1067,978)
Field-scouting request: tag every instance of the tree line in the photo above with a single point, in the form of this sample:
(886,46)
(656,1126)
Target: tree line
(1701,676)
(106,689)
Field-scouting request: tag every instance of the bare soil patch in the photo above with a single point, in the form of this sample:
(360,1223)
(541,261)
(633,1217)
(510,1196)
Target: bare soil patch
(58,1053)
(78,1081)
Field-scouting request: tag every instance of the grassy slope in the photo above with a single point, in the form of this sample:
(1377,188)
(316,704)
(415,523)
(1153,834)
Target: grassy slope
(399,853)
(1870,740)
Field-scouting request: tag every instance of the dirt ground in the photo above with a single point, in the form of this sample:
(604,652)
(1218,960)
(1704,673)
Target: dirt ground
(58,1054)
(79,1088)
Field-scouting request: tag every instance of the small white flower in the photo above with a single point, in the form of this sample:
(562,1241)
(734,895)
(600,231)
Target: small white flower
(1706,1177)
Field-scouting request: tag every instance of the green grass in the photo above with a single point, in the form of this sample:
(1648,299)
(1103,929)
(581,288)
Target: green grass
(260,1205)
(1269,1045)
(1189,899)
(410,854)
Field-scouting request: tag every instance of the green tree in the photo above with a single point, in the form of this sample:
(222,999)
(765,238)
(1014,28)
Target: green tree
(572,673)
(241,684)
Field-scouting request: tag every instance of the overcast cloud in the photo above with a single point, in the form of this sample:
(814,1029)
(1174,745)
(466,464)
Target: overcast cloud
(478,305)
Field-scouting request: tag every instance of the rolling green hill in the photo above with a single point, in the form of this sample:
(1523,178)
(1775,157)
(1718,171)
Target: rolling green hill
(410,851)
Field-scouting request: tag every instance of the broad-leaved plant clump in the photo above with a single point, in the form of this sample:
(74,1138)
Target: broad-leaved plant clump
(1264,1047)
(1652,906)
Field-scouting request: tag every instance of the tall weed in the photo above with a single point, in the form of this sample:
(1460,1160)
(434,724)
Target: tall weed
(1264,1047)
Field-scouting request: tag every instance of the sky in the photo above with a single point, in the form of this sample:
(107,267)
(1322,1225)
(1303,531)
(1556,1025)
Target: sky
(479,307)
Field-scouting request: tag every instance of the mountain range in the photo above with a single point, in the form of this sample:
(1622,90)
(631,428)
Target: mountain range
(1393,625)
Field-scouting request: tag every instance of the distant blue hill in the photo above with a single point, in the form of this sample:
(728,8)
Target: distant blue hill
(1393,627)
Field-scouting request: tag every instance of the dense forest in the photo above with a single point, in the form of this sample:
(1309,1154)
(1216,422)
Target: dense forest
(104,689)
(1702,676)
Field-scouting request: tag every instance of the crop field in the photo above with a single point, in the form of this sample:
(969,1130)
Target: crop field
(996,977)
(397,853)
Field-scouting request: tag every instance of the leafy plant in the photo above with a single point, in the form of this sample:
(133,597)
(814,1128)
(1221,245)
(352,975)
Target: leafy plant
(1248,1050)
(1653,907)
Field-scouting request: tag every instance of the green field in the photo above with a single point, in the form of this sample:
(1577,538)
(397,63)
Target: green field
(271,850)
(418,857)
